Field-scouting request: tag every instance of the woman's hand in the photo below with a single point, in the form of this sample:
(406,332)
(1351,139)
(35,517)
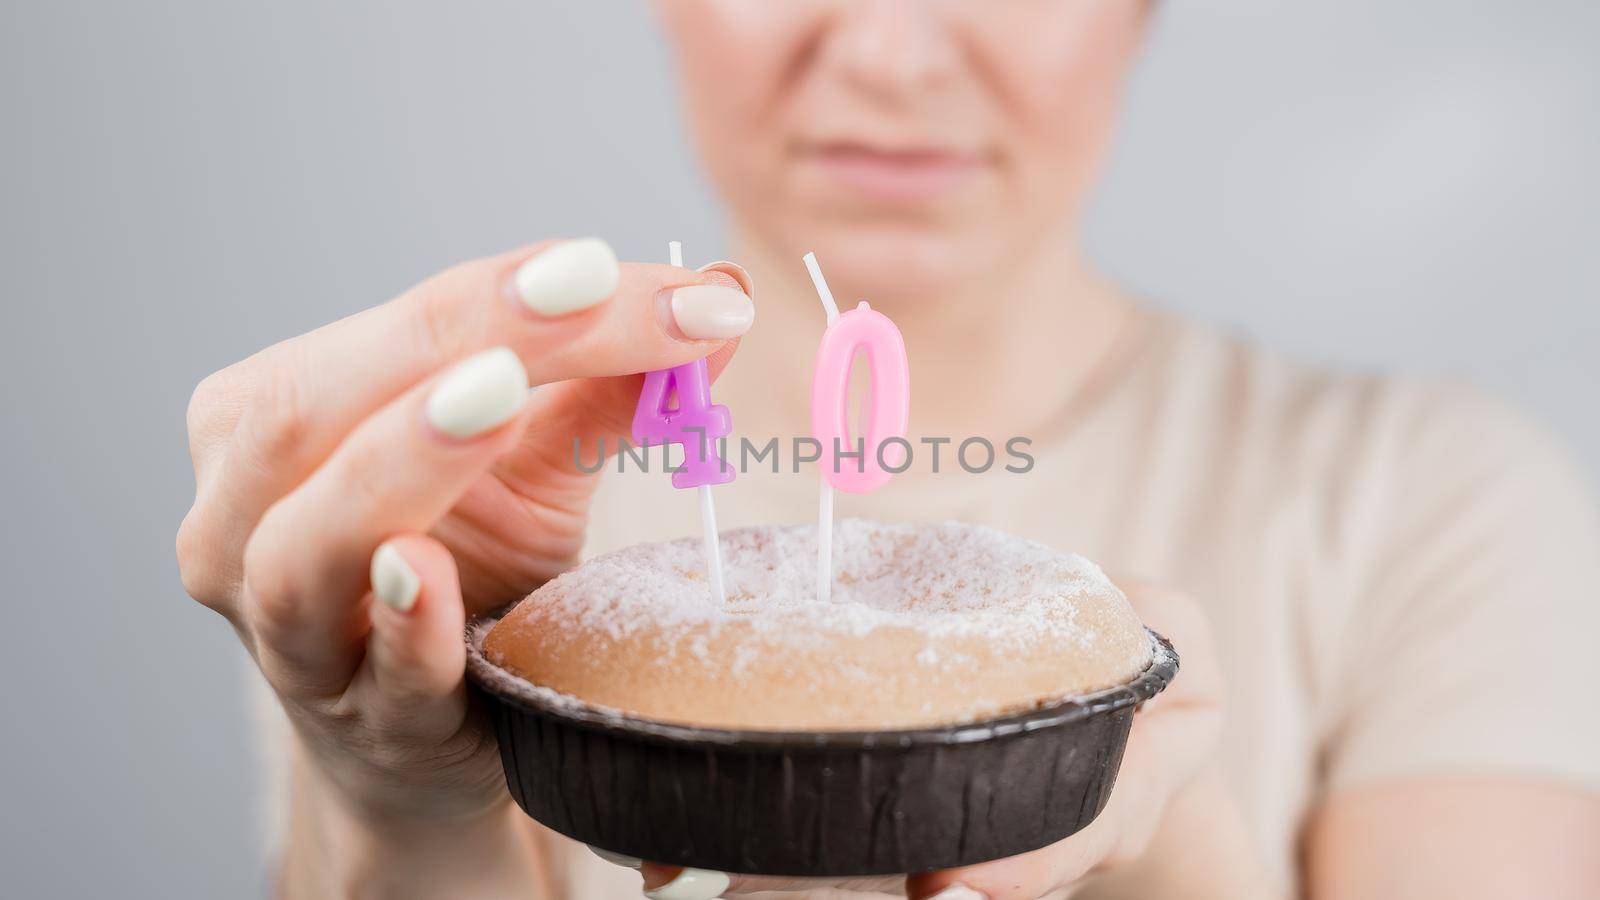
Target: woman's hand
(397,456)
(1172,742)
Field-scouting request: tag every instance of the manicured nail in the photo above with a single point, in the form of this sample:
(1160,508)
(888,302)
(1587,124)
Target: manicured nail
(711,312)
(393,581)
(692,884)
(567,277)
(482,391)
(616,859)
(739,275)
(959,892)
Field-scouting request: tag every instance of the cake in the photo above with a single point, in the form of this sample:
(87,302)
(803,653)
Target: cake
(962,696)
(927,625)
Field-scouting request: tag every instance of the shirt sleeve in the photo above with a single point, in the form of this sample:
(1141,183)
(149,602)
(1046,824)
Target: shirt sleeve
(1471,647)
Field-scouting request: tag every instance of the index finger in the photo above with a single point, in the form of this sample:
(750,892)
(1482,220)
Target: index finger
(1170,742)
(567,309)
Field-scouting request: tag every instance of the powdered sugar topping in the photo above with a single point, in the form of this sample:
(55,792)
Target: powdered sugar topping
(949,579)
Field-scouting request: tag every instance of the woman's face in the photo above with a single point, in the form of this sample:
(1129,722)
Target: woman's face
(910,143)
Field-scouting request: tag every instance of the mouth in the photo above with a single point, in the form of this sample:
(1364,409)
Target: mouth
(895,174)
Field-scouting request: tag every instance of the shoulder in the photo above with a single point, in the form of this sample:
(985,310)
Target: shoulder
(1345,424)
(1362,470)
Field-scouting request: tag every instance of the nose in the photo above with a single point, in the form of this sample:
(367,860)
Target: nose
(892,49)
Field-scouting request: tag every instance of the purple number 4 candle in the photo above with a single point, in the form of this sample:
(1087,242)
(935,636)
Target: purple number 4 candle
(694,423)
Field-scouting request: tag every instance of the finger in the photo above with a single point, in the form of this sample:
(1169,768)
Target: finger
(677,883)
(1181,620)
(307,565)
(1024,877)
(1047,871)
(415,661)
(1169,743)
(1176,731)
(569,310)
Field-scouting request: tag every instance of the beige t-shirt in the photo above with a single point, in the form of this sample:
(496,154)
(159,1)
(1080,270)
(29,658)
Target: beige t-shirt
(1403,577)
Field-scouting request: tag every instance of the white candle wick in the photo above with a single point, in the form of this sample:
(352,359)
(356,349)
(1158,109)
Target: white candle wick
(708,520)
(825,500)
(821,284)
(708,508)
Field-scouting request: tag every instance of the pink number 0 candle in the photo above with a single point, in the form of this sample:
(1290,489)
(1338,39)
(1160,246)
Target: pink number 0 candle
(857,465)
(864,463)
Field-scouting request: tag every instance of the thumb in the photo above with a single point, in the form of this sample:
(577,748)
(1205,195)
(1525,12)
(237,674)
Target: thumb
(416,659)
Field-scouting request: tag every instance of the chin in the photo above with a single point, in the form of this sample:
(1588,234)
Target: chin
(893,265)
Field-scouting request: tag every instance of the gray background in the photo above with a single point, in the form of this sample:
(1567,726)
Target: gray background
(1402,185)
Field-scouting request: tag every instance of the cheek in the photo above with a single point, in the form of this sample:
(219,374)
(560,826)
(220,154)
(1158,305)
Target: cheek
(735,60)
(1060,80)
(733,55)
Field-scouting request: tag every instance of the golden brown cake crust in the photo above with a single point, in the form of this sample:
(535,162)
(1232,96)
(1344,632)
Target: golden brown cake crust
(927,625)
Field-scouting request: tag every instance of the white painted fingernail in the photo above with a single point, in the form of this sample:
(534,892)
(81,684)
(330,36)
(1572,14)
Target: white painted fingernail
(616,859)
(692,884)
(393,581)
(706,312)
(958,892)
(567,277)
(482,391)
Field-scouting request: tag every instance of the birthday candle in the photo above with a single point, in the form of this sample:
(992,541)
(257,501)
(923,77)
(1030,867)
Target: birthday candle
(865,462)
(694,423)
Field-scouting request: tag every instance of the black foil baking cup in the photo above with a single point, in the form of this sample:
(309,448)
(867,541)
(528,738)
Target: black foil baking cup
(808,803)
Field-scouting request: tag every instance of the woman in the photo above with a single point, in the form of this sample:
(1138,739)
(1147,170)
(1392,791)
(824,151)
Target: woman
(1398,578)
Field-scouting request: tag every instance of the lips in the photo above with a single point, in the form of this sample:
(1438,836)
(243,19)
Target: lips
(895,175)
